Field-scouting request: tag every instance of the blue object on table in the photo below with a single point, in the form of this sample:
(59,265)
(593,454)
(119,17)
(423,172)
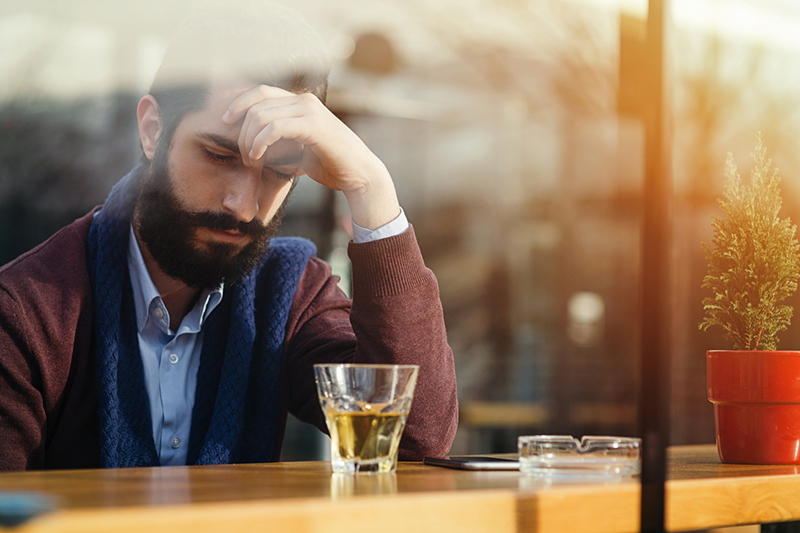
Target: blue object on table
(19,507)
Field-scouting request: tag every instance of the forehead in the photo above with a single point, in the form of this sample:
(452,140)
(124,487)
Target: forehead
(208,122)
(216,103)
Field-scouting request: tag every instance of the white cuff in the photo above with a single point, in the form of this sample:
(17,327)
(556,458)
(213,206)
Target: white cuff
(395,227)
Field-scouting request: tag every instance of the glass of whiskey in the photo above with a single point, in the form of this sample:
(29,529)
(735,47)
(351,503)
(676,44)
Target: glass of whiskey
(365,408)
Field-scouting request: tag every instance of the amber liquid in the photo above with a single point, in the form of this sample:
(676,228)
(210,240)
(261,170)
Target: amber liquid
(366,436)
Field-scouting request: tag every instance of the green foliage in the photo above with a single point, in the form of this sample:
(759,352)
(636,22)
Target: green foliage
(753,264)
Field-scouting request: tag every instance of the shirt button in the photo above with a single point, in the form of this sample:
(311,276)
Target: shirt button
(175,443)
(173,358)
(158,313)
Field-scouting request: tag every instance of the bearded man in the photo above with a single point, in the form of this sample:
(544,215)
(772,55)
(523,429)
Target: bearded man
(168,327)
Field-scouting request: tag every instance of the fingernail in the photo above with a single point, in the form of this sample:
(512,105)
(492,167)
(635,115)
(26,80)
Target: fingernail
(226,116)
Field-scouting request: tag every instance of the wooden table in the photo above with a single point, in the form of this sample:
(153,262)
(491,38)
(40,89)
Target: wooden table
(306,497)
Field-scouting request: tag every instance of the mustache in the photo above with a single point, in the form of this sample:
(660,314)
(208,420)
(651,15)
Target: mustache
(226,222)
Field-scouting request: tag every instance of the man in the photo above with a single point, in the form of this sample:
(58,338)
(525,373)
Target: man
(166,327)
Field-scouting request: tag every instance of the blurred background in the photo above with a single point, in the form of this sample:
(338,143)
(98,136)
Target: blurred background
(513,130)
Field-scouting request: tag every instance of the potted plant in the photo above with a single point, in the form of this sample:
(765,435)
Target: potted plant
(753,266)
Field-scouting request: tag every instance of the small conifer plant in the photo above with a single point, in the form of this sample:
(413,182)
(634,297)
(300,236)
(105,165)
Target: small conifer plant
(753,262)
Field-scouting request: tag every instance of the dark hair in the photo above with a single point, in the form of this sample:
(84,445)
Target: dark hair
(255,40)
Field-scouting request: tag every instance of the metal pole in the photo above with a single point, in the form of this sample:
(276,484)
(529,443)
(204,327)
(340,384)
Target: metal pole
(655,281)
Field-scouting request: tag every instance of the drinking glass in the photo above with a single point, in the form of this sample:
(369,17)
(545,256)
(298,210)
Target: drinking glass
(365,407)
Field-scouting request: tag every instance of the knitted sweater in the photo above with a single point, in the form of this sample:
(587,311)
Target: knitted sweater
(48,389)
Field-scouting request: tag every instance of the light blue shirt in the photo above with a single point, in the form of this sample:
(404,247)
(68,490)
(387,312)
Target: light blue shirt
(171,358)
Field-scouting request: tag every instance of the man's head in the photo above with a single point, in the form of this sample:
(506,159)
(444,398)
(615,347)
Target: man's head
(203,215)
(255,40)
(201,245)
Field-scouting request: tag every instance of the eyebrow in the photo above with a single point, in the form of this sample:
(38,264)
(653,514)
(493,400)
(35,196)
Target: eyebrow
(221,141)
(233,146)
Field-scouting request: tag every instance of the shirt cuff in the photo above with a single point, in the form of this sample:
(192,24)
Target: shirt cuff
(395,227)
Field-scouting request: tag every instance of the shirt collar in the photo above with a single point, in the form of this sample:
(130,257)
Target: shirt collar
(146,297)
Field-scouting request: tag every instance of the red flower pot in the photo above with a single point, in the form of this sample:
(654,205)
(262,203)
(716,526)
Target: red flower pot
(756,397)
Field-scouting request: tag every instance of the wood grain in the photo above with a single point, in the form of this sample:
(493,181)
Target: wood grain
(461,511)
(702,492)
(306,497)
(608,508)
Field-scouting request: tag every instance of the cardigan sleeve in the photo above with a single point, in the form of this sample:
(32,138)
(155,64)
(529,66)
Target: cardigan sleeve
(45,326)
(22,411)
(395,317)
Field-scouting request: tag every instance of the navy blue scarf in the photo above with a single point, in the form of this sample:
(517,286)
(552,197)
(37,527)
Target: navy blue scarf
(235,414)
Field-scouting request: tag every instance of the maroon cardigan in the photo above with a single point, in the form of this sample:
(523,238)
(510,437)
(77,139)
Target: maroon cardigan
(48,404)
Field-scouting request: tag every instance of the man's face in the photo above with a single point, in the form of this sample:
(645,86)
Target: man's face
(201,213)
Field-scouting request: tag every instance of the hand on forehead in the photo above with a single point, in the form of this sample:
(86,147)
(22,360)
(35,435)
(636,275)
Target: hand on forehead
(277,126)
(229,105)
(272,117)
(284,155)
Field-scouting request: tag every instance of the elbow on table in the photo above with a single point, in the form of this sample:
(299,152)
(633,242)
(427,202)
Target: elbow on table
(431,439)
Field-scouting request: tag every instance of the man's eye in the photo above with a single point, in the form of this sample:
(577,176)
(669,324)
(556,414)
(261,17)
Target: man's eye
(279,175)
(218,158)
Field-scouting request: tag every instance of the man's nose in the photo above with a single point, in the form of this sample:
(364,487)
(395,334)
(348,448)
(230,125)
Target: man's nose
(241,193)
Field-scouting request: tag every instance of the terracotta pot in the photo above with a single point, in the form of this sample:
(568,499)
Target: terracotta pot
(756,397)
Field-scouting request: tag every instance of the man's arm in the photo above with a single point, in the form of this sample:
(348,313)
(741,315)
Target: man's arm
(395,317)
(22,413)
(47,399)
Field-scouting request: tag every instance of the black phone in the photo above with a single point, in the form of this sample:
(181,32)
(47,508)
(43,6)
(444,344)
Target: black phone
(473,462)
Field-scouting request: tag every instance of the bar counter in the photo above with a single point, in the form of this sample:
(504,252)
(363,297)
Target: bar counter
(306,497)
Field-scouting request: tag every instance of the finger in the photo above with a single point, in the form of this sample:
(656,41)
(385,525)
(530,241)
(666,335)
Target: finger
(256,119)
(259,117)
(310,165)
(238,108)
(293,129)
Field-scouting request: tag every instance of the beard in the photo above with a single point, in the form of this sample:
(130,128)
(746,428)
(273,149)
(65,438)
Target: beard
(168,230)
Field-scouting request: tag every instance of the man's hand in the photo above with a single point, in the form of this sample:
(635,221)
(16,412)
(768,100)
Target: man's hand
(333,155)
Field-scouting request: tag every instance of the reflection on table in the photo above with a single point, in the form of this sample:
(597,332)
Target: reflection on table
(701,493)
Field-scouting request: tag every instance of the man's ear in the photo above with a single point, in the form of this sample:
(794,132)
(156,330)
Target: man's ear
(149,124)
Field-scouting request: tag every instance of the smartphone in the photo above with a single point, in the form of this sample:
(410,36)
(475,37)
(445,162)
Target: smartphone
(473,462)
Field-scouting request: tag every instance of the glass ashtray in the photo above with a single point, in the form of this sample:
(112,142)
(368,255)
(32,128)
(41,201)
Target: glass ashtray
(565,456)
